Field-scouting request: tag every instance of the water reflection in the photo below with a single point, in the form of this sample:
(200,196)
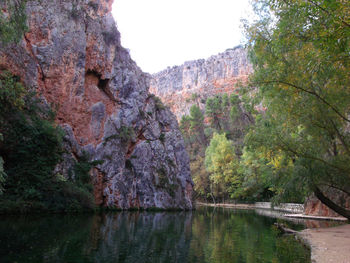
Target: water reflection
(227,235)
(298,223)
(206,235)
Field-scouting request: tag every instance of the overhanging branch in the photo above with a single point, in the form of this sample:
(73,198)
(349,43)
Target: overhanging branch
(328,202)
(306,91)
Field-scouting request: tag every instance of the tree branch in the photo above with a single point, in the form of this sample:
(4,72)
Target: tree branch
(341,138)
(338,188)
(326,201)
(326,11)
(286,147)
(306,91)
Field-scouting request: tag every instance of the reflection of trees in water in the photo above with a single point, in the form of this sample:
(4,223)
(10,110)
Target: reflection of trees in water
(206,235)
(307,223)
(114,237)
(42,239)
(144,237)
(239,236)
(230,236)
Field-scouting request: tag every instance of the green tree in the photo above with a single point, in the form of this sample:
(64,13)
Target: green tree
(221,162)
(185,127)
(12,92)
(11,99)
(13,24)
(197,132)
(234,101)
(256,174)
(200,177)
(192,128)
(300,53)
(213,109)
(197,123)
(29,152)
(31,149)
(2,172)
(225,100)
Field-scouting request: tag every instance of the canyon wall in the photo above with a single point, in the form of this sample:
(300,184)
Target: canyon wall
(193,82)
(72,56)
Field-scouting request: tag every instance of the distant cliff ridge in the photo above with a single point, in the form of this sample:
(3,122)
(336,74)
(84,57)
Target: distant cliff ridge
(72,56)
(180,87)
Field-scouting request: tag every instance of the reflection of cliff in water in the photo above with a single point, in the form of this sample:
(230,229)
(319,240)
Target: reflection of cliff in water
(206,235)
(143,237)
(117,237)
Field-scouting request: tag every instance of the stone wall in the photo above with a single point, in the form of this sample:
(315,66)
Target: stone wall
(286,207)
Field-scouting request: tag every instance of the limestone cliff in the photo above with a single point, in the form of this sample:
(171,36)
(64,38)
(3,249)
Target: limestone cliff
(204,78)
(72,56)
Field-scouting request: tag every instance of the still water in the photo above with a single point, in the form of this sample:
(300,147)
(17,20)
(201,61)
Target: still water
(204,235)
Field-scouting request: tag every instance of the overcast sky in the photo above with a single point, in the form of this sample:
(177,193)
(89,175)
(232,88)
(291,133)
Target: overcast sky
(162,33)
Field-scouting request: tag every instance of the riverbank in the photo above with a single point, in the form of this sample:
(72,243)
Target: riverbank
(240,206)
(286,207)
(329,218)
(328,244)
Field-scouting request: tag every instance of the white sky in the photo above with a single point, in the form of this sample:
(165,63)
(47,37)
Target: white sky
(162,33)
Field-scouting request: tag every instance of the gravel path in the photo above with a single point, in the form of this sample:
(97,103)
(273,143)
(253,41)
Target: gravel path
(329,244)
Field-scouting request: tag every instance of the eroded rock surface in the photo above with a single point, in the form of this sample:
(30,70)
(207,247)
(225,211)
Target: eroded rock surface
(180,87)
(72,56)
(315,207)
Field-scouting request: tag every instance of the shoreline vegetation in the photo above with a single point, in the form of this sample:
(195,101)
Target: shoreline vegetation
(291,214)
(283,135)
(31,147)
(328,244)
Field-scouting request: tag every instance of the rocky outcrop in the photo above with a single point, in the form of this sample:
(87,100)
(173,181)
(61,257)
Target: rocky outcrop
(72,56)
(315,207)
(194,81)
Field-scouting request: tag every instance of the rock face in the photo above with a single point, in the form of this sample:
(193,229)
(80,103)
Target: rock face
(200,79)
(72,56)
(314,207)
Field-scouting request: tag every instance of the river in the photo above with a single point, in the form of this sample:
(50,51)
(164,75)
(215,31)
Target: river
(204,235)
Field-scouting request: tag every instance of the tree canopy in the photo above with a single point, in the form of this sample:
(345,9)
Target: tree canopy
(221,162)
(300,51)
(299,141)
(222,121)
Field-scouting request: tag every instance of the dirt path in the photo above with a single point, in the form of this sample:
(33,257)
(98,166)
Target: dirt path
(329,244)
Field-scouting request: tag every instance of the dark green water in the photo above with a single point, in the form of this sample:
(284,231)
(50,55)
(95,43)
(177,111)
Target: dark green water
(205,235)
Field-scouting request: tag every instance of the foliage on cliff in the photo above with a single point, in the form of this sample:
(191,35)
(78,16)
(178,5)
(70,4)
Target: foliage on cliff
(223,166)
(2,174)
(300,142)
(300,52)
(13,22)
(214,140)
(30,142)
(30,150)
